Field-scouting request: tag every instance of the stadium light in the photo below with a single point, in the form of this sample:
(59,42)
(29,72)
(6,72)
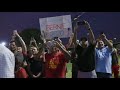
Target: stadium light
(3,43)
(115,38)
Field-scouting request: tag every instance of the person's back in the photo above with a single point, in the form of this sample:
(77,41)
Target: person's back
(7,63)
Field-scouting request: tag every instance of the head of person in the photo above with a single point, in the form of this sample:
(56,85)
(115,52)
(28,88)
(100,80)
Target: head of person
(33,50)
(19,49)
(100,43)
(51,46)
(84,42)
(12,46)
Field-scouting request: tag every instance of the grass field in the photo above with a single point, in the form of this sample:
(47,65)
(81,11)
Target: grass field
(119,64)
(69,70)
(119,60)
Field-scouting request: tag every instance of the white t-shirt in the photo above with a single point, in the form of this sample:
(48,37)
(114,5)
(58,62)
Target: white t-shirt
(7,63)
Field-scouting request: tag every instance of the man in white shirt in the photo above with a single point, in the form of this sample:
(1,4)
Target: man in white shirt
(7,63)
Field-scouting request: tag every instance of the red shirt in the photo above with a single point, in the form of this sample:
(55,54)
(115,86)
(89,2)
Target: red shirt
(55,66)
(21,73)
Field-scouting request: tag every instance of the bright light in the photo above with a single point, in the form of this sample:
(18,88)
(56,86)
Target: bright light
(115,38)
(77,41)
(3,43)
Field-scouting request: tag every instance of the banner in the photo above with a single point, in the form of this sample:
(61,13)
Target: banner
(59,26)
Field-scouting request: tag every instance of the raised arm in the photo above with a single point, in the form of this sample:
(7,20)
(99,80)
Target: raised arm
(60,42)
(91,34)
(33,42)
(106,41)
(21,41)
(67,54)
(75,29)
(70,42)
(13,38)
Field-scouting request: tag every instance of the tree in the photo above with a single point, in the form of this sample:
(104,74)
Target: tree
(26,34)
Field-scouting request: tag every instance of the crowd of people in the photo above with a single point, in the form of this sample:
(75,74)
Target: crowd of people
(90,57)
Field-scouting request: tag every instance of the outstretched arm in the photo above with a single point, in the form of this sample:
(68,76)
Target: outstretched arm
(75,29)
(106,41)
(60,42)
(67,54)
(91,34)
(70,42)
(33,42)
(21,41)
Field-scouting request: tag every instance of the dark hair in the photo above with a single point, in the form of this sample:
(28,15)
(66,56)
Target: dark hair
(83,38)
(12,41)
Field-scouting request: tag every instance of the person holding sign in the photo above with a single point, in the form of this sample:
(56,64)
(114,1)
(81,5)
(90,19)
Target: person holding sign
(56,59)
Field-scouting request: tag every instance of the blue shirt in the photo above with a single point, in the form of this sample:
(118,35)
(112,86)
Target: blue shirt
(104,60)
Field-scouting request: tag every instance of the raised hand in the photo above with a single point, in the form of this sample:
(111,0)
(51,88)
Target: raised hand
(34,40)
(31,40)
(72,35)
(102,36)
(15,33)
(87,25)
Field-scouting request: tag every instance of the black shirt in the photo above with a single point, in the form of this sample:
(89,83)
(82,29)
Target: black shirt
(86,58)
(36,66)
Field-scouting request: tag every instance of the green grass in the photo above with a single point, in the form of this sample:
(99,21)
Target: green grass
(119,64)
(119,60)
(69,70)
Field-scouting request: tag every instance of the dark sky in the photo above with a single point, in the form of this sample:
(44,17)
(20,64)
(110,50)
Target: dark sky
(108,22)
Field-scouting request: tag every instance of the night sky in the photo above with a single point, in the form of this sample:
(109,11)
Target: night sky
(107,22)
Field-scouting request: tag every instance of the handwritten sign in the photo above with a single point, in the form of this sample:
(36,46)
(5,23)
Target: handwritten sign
(59,26)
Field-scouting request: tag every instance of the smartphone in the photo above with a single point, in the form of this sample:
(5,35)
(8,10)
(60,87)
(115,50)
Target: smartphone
(55,38)
(101,32)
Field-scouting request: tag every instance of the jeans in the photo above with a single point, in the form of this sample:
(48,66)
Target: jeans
(103,75)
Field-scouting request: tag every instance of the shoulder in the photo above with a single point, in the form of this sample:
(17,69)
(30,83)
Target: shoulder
(78,46)
(92,45)
(114,49)
(60,53)
(48,55)
(109,49)
(6,51)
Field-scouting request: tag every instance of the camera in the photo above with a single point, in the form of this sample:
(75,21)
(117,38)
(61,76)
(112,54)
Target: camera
(81,23)
(55,38)
(101,32)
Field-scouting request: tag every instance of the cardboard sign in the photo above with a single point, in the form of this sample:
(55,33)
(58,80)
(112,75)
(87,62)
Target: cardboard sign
(59,26)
